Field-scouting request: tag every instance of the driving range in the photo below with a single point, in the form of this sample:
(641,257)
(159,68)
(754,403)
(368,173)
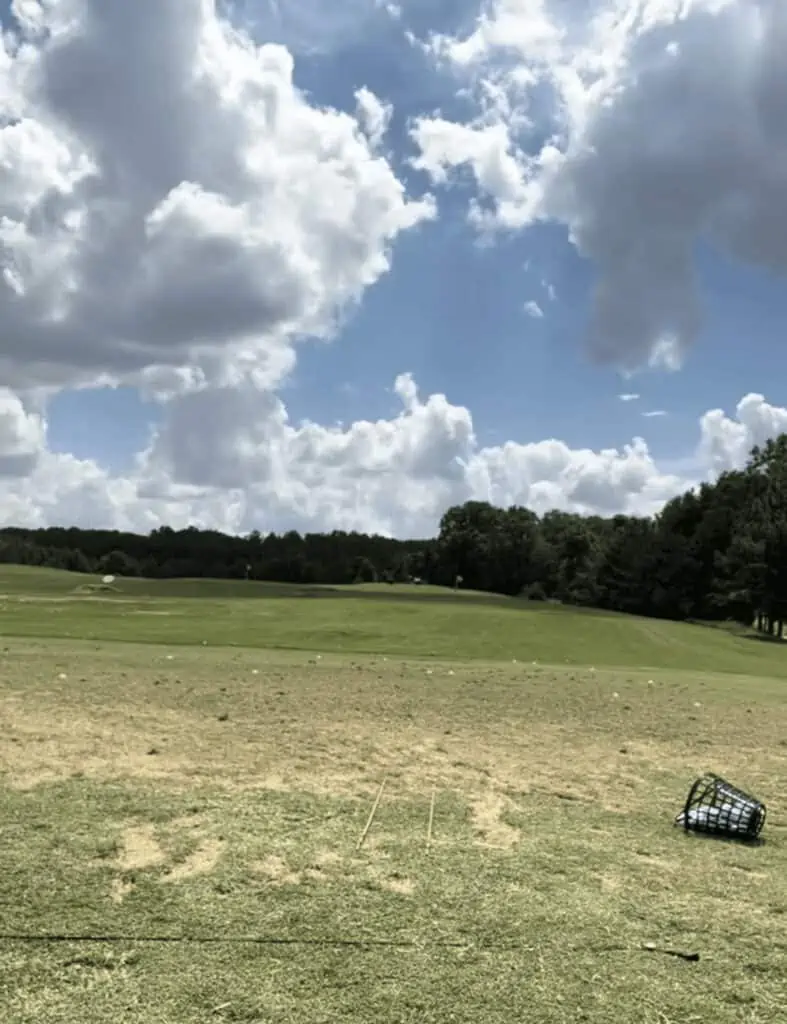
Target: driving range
(240,802)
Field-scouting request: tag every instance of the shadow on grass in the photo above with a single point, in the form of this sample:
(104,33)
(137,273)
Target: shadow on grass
(210,589)
(740,632)
(744,841)
(764,638)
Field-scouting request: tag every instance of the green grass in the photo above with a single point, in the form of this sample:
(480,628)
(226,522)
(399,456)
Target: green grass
(400,621)
(29,581)
(161,789)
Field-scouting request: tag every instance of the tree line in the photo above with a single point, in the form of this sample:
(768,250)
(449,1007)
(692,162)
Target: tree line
(716,552)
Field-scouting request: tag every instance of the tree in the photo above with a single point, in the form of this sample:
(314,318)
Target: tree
(718,551)
(117,563)
(764,531)
(365,572)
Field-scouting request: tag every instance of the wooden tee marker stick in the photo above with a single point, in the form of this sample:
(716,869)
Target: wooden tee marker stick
(431,820)
(371,815)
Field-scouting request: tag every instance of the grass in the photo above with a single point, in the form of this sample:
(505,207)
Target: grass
(27,581)
(400,621)
(159,788)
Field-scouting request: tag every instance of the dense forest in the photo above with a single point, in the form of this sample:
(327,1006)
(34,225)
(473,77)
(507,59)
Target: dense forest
(718,552)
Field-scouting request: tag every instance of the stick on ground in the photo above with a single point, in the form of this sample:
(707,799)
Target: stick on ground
(371,815)
(431,820)
(650,947)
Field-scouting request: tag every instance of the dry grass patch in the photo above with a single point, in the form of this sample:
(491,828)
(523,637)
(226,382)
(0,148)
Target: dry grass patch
(147,847)
(276,870)
(39,746)
(488,810)
(332,869)
(554,857)
(398,884)
(289,724)
(202,861)
(120,888)
(140,849)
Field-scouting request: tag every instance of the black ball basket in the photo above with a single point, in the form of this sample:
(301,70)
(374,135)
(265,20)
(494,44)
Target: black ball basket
(716,807)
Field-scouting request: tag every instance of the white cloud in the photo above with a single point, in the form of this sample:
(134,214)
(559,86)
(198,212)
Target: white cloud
(667,127)
(175,215)
(232,459)
(169,197)
(533,309)
(373,114)
(654,413)
(726,442)
(393,10)
(495,162)
(628,397)
(22,436)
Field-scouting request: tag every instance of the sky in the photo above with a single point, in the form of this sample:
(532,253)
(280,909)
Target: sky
(299,264)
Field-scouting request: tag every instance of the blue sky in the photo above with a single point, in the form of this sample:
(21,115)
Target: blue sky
(640,182)
(451,310)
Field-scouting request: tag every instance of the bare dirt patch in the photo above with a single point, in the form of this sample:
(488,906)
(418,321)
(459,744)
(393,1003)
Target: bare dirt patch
(491,830)
(43,742)
(140,849)
(276,870)
(245,721)
(325,867)
(329,867)
(305,730)
(201,862)
(399,884)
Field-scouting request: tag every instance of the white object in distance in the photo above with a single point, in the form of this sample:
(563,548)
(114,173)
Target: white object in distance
(108,579)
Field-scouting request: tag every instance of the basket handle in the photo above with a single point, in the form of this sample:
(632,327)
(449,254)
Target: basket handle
(685,812)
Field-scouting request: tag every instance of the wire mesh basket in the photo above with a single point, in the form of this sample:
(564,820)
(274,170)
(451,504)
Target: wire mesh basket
(716,807)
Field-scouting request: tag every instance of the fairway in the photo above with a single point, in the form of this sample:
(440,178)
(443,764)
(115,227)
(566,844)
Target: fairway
(401,621)
(188,771)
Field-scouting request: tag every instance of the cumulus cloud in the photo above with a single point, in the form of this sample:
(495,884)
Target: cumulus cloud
(22,436)
(169,196)
(395,475)
(629,396)
(644,128)
(177,216)
(373,114)
(533,309)
(725,442)
(232,459)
